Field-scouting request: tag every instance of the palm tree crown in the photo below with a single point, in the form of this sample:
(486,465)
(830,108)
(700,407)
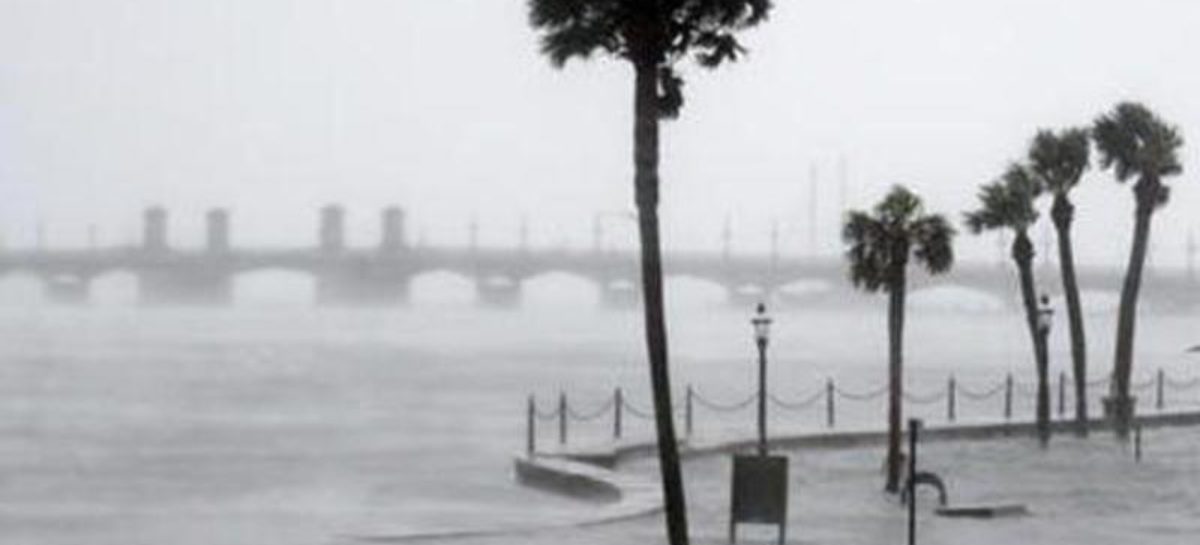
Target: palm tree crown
(1060,159)
(1007,202)
(1133,141)
(657,33)
(881,242)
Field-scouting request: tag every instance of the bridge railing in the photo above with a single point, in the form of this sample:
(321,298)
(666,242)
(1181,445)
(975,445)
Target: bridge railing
(827,406)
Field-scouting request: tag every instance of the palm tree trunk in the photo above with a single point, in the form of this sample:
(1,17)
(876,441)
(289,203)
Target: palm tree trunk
(895,379)
(1022,253)
(1147,192)
(645,146)
(1063,213)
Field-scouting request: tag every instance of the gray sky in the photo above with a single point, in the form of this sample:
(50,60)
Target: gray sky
(274,107)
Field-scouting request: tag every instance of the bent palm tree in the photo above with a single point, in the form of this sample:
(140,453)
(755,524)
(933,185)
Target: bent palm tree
(1059,161)
(652,36)
(1007,203)
(880,246)
(1135,143)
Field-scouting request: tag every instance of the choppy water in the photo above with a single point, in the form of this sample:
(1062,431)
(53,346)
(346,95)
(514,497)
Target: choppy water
(288,424)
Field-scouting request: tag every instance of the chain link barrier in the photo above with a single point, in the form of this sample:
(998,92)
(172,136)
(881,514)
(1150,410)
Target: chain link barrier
(724,407)
(800,405)
(865,396)
(603,410)
(980,396)
(927,399)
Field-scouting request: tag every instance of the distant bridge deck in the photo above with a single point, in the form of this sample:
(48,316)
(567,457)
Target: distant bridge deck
(379,275)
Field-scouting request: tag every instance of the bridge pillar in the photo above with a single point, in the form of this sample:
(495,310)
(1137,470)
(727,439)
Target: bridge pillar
(333,229)
(154,229)
(177,286)
(217,223)
(360,284)
(392,239)
(67,289)
(620,294)
(498,292)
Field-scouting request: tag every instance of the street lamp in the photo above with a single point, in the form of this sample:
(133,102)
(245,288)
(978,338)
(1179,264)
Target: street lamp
(762,335)
(1045,315)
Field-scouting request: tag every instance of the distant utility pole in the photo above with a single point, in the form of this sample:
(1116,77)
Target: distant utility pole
(473,234)
(774,245)
(40,234)
(843,187)
(727,239)
(812,209)
(93,236)
(524,235)
(597,234)
(1191,255)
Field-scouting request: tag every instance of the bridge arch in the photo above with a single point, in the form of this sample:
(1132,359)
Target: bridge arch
(692,291)
(274,287)
(19,287)
(442,288)
(560,288)
(114,288)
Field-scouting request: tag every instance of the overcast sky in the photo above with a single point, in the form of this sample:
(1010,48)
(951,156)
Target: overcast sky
(275,107)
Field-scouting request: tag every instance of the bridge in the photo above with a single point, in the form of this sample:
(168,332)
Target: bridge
(382,275)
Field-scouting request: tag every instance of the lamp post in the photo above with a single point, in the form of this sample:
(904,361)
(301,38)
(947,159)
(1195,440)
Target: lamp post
(1045,315)
(762,334)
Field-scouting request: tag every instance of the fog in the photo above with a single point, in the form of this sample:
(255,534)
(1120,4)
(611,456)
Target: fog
(275,107)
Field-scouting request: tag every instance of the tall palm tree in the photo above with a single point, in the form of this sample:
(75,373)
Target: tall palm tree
(1059,161)
(1135,143)
(1007,203)
(880,244)
(652,36)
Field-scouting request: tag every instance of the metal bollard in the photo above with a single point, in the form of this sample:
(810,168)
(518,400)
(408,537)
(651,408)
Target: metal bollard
(618,406)
(1008,397)
(951,399)
(562,418)
(1062,394)
(1158,399)
(687,411)
(830,416)
(530,429)
(914,428)
(1137,443)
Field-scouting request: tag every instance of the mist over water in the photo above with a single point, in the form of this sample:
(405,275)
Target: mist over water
(275,420)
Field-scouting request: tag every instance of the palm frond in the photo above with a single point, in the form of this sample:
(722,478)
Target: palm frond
(933,243)
(1133,141)
(1060,159)
(1006,203)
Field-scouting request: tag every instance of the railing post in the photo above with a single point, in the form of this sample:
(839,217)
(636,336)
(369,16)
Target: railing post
(687,411)
(1008,397)
(530,427)
(1158,400)
(830,416)
(1062,393)
(951,399)
(1137,442)
(618,402)
(562,418)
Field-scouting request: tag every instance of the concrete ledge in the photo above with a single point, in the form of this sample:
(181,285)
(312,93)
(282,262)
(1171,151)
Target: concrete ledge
(623,496)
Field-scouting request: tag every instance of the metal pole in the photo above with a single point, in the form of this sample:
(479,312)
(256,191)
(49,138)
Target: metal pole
(562,418)
(530,430)
(1008,397)
(830,418)
(1158,401)
(1137,443)
(687,411)
(762,397)
(914,427)
(618,401)
(1062,393)
(951,399)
